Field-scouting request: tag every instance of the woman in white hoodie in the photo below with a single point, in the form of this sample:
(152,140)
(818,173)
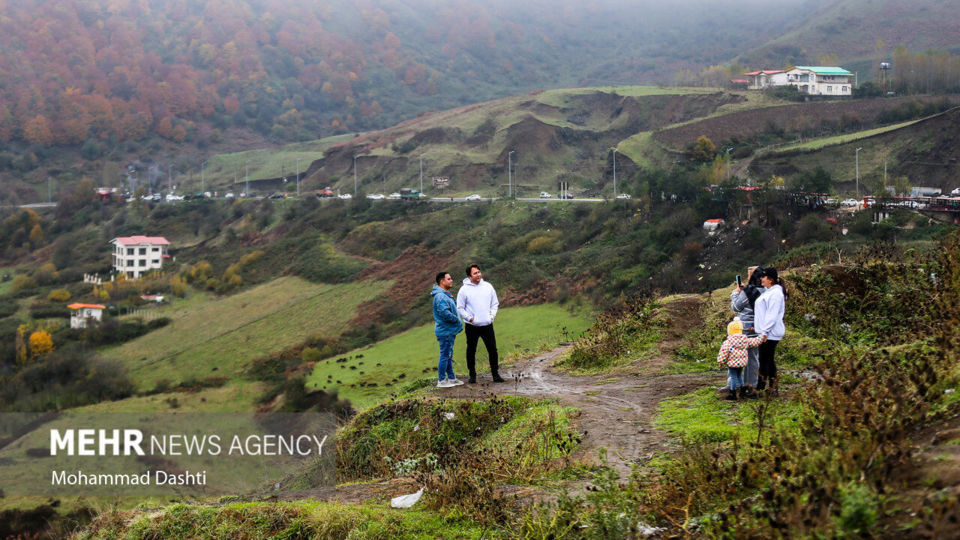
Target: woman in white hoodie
(768,321)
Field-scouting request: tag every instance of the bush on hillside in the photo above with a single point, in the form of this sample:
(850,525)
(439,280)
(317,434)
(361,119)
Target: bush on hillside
(66,378)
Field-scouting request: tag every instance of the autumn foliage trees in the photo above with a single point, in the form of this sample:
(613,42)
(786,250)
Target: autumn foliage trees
(122,70)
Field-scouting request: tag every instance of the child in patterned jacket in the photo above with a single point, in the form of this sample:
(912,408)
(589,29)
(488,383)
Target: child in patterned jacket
(733,354)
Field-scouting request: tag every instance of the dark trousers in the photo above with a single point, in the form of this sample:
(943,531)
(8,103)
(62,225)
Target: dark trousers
(768,367)
(475,333)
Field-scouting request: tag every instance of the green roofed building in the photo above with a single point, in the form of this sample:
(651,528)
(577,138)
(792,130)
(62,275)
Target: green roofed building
(826,81)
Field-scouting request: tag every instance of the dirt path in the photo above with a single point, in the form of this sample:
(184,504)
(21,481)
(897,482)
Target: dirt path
(617,411)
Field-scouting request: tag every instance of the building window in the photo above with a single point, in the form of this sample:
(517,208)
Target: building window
(129,263)
(156,249)
(845,89)
(143,262)
(155,262)
(829,89)
(143,251)
(129,251)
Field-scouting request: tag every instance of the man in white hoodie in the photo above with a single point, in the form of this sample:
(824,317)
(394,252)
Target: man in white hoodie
(477,303)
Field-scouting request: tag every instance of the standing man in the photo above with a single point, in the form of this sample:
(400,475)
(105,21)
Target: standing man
(446,328)
(477,303)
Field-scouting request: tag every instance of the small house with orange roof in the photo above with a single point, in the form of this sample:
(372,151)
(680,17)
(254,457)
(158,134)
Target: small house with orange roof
(84,315)
(139,255)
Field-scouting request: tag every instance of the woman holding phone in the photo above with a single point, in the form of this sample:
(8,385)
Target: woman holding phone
(743,297)
(769,310)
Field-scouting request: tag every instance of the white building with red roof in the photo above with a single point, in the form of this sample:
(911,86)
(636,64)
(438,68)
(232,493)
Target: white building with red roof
(85,315)
(139,255)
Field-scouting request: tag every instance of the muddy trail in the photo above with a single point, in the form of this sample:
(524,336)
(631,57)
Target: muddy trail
(617,411)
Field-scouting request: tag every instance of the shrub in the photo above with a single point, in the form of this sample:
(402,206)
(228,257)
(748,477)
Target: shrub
(59,295)
(23,282)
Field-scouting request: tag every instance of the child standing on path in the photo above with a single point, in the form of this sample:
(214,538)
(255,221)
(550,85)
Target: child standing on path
(733,354)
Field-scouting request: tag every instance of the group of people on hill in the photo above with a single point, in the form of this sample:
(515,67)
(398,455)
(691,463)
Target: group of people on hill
(474,309)
(753,335)
(748,352)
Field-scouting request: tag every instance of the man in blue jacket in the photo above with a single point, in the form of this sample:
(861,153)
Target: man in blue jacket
(446,328)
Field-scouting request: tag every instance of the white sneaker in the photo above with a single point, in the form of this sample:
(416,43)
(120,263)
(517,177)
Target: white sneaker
(455,382)
(444,384)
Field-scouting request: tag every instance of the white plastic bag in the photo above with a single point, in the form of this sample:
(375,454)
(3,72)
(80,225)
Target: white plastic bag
(406,501)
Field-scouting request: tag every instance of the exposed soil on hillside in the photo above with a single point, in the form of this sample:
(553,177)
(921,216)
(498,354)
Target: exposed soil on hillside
(787,117)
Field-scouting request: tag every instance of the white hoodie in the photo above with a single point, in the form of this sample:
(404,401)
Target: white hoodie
(478,302)
(768,314)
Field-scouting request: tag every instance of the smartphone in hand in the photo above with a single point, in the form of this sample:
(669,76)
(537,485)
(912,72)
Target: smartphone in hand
(739,282)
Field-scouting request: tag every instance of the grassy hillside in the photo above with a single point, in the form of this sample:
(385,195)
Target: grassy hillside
(218,337)
(369,375)
(920,150)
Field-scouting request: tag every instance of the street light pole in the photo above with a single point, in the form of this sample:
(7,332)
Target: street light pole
(614,173)
(355,176)
(510,174)
(421,173)
(298,177)
(857,153)
(202,182)
(246,177)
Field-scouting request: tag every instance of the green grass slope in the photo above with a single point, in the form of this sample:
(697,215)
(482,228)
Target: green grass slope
(395,362)
(218,337)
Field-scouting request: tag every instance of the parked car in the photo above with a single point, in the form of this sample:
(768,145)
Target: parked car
(345,196)
(410,193)
(375,196)
(849,202)
(228,195)
(473,197)
(566,196)
(545,195)
(393,196)
(830,201)
(955,191)
(277,196)
(623,196)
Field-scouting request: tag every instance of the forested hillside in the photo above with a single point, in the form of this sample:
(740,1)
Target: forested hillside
(80,72)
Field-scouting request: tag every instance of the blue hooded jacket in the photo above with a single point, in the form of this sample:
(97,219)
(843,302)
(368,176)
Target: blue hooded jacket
(445,313)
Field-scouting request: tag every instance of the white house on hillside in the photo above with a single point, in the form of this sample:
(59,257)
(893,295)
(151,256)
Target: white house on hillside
(85,315)
(138,255)
(809,80)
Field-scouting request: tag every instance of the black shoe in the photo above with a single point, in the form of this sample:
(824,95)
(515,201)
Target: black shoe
(472,379)
(747,393)
(732,396)
(497,378)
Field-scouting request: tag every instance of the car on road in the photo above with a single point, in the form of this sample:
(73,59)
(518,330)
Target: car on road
(623,196)
(171,197)
(566,196)
(473,197)
(277,196)
(345,196)
(376,196)
(228,195)
(850,202)
(830,201)
(393,196)
(545,195)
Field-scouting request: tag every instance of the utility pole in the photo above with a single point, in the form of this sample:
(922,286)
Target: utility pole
(614,173)
(298,177)
(203,184)
(509,174)
(355,176)
(857,154)
(421,173)
(246,177)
